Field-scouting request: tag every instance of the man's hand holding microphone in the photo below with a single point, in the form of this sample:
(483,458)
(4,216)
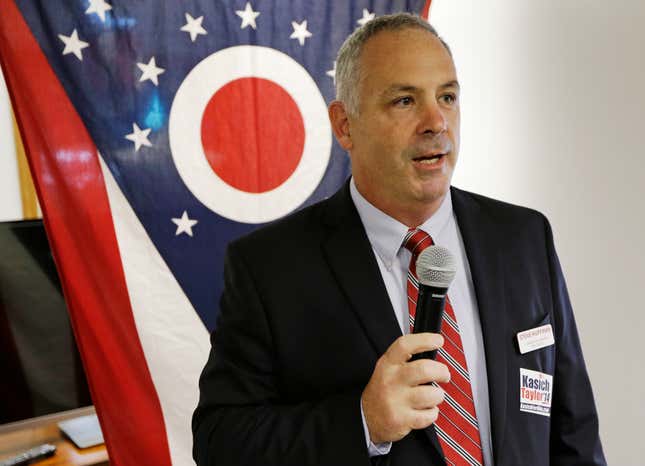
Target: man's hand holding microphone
(401,396)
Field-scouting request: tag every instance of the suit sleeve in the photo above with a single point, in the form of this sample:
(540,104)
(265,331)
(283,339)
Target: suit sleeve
(243,417)
(575,439)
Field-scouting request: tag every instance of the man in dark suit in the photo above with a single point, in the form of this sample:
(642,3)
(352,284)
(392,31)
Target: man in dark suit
(311,360)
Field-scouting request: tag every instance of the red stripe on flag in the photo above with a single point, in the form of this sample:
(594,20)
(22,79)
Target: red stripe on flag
(76,212)
(425,12)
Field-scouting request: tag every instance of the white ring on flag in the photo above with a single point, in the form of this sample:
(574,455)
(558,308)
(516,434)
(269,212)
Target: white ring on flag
(185,123)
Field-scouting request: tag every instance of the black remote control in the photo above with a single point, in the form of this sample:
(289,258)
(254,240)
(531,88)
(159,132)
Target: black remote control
(41,451)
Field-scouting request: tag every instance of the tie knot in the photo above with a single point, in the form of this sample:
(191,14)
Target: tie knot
(416,241)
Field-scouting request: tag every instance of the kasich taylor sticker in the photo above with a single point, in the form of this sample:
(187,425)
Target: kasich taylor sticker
(536,389)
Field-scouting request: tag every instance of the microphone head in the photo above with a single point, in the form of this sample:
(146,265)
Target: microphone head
(436,266)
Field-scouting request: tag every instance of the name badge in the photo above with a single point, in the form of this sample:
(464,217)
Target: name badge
(535,338)
(536,389)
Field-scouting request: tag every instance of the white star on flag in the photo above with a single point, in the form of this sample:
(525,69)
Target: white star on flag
(150,71)
(248,16)
(193,26)
(300,32)
(139,137)
(73,44)
(367,17)
(184,224)
(99,7)
(332,73)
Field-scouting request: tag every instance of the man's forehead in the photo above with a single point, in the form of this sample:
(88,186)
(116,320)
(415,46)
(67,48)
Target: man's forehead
(411,47)
(395,88)
(407,37)
(406,60)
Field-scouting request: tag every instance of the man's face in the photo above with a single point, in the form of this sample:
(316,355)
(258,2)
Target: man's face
(405,139)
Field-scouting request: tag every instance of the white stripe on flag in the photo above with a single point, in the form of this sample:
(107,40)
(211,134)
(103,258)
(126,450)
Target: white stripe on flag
(174,339)
(11,205)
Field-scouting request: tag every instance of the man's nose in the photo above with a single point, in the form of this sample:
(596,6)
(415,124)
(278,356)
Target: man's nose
(432,119)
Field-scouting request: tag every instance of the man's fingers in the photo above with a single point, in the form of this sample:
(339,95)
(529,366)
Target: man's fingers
(423,371)
(426,396)
(422,418)
(405,346)
(397,399)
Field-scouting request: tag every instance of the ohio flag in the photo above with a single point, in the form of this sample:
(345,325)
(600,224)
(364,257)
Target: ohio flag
(156,132)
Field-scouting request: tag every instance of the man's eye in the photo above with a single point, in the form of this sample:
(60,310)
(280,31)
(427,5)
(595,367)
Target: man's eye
(404,101)
(448,98)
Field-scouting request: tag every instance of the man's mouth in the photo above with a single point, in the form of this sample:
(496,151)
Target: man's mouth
(429,159)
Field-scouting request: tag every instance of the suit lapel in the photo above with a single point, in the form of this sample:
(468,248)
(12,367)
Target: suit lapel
(350,256)
(352,261)
(484,250)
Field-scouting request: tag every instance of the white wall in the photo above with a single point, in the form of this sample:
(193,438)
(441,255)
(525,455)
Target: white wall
(553,104)
(10,204)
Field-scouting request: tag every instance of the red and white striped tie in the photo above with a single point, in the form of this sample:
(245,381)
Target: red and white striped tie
(456,425)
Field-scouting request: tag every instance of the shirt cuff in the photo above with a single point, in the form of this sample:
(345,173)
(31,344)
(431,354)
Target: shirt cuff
(373,449)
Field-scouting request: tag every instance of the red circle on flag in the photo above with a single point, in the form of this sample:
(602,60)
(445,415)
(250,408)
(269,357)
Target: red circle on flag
(253,134)
(188,147)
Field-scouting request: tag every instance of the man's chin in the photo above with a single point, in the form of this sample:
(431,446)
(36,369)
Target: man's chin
(434,191)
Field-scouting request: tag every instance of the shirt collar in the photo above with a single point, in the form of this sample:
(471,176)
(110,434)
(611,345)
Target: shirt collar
(386,234)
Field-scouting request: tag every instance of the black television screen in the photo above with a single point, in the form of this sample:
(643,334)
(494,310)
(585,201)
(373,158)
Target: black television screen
(40,368)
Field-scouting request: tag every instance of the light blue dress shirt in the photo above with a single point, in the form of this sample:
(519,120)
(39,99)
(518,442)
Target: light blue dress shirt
(386,237)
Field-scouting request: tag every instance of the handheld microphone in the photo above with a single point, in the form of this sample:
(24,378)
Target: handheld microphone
(436,268)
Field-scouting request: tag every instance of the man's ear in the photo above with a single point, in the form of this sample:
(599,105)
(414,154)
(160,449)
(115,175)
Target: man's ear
(340,124)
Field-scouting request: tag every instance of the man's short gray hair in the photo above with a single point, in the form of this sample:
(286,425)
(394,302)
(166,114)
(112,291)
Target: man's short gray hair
(348,73)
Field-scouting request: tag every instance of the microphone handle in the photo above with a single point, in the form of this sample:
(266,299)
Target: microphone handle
(429,314)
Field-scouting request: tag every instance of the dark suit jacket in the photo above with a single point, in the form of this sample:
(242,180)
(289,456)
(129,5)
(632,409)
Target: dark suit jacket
(305,316)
